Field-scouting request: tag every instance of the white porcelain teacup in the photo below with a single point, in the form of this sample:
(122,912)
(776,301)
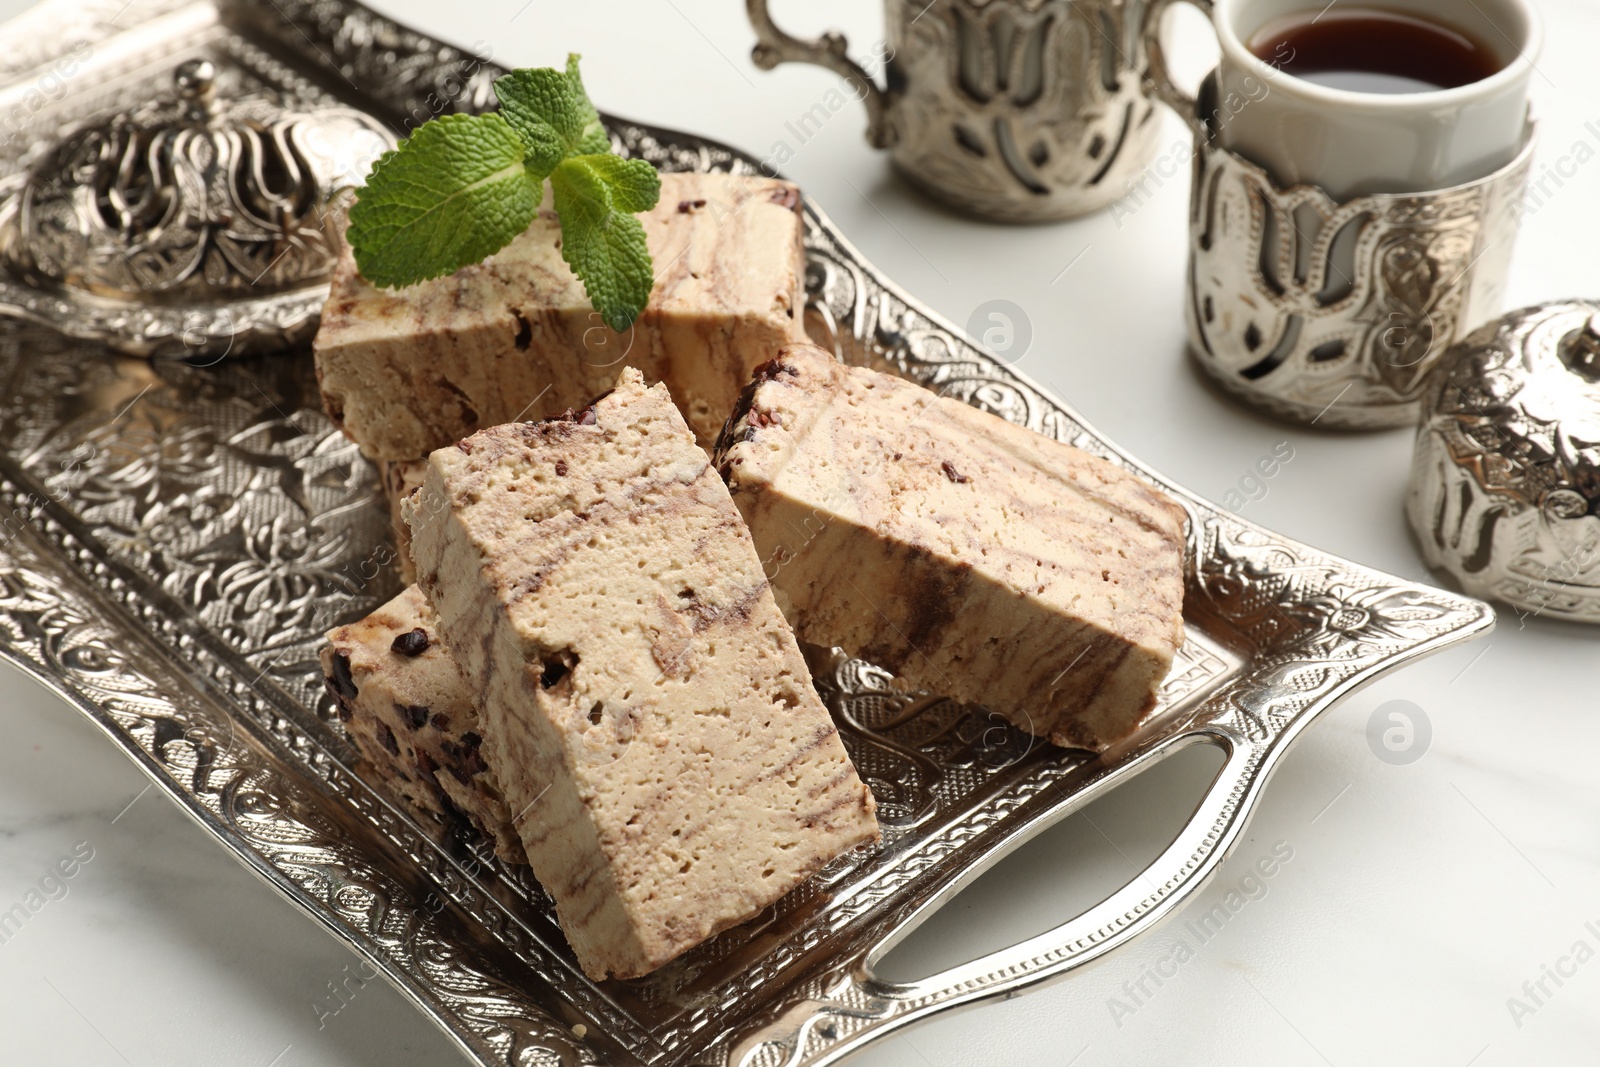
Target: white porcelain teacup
(1357,143)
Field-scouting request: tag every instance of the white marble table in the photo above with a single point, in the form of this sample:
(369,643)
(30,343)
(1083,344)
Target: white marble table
(1406,905)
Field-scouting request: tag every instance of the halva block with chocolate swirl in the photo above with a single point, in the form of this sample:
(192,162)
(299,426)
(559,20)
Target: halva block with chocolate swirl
(406,371)
(669,767)
(972,557)
(406,707)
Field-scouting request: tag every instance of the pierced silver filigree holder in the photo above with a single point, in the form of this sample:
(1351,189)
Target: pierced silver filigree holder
(1012,110)
(186,224)
(1334,313)
(177,538)
(1505,488)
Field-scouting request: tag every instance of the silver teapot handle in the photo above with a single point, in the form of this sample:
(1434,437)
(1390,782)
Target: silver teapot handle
(773,47)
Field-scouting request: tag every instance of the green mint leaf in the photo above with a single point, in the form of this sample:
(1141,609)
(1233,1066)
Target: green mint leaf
(462,188)
(635,185)
(552,113)
(594,139)
(457,190)
(595,197)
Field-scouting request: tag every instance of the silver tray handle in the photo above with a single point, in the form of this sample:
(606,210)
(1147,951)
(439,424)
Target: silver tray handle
(831,50)
(860,1008)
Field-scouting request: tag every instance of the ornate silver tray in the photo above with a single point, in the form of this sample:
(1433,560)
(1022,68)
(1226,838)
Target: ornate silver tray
(177,537)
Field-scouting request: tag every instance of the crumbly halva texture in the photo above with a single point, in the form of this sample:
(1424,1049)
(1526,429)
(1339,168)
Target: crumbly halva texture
(671,768)
(408,710)
(400,478)
(406,371)
(970,556)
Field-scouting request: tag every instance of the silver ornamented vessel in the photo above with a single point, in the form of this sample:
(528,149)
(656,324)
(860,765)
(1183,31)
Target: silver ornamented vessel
(1334,313)
(1012,110)
(186,224)
(1505,488)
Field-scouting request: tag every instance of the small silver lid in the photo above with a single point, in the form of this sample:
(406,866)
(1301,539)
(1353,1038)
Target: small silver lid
(192,207)
(1505,487)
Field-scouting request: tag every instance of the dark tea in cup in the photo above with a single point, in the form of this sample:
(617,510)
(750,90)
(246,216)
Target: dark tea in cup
(1365,96)
(1365,49)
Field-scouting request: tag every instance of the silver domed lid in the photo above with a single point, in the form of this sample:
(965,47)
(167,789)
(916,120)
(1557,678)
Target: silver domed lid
(188,203)
(1505,491)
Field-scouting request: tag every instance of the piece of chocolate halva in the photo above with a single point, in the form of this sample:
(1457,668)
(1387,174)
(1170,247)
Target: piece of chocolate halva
(972,557)
(406,371)
(410,714)
(668,765)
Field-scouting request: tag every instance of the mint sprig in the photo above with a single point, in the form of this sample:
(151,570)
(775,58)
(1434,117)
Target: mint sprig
(551,111)
(462,187)
(454,192)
